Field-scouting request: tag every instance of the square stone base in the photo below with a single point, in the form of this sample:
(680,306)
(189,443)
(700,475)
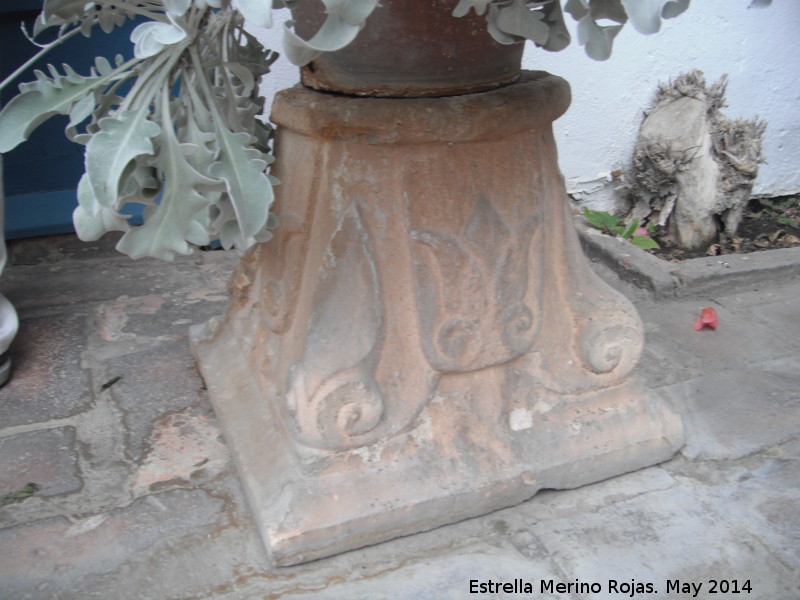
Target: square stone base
(465,455)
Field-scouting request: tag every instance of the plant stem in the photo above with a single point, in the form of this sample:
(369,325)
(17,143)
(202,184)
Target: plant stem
(198,68)
(147,84)
(154,16)
(45,49)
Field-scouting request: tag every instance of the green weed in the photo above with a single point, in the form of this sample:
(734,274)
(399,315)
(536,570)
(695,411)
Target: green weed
(613,225)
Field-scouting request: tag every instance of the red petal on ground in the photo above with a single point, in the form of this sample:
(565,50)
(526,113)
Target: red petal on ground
(708,318)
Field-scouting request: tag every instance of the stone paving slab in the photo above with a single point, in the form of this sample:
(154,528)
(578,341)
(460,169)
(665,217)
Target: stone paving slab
(159,513)
(723,418)
(46,457)
(97,279)
(782,317)
(59,249)
(142,403)
(49,381)
(162,540)
(739,340)
(761,493)
(484,570)
(626,542)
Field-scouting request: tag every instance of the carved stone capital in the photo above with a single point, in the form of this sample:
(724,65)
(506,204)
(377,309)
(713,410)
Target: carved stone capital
(422,341)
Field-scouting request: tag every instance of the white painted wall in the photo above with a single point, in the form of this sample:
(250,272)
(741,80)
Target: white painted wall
(758,48)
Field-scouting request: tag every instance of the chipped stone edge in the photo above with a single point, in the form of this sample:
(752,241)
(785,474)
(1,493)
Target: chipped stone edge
(665,280)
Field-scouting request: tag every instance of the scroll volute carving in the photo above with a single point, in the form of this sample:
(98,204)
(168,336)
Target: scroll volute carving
(606,333)
(474,302)
(606,347)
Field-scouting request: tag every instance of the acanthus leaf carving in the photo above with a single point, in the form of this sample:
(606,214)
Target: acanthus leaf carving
(332,396)
(475,307)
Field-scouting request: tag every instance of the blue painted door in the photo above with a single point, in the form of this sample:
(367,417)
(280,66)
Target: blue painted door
(41,175)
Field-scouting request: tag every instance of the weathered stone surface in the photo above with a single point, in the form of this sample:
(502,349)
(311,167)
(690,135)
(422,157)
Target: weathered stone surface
(57,248)
(216,268)
(183,446)
(770,491)
(46,349)
(145,406)
(47,458)
(723,420)
(758,493)
(108,279)
(129,325)
(707,351)
(782,317)
(459,576)
(709,549)
(200,541)
(86,555)
(422,341)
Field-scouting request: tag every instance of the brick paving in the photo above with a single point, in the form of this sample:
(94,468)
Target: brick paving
(138,497)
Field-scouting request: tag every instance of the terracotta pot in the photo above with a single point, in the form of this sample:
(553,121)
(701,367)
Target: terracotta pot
(410,48)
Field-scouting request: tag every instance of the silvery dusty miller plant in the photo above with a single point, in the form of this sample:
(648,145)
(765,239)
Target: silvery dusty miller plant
(183,139)
(175,128)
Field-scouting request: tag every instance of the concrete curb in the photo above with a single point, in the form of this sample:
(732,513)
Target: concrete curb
(664,280)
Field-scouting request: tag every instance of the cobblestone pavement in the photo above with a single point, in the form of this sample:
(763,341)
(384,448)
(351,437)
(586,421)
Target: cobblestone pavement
(136,496)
